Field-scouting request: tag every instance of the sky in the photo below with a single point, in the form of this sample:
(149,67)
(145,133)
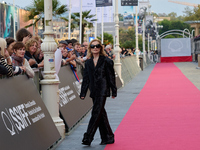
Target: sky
(157,6)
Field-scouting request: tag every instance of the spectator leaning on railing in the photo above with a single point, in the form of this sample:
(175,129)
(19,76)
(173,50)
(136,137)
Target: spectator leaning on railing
(19,60)
(10,42)
(77,49)
(5,68)
(39,56)
(31,50)
(109,52)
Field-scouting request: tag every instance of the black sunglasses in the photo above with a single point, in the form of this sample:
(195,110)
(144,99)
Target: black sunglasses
(97,46)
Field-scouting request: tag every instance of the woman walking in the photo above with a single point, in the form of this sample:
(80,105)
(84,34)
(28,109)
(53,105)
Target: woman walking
(99,77)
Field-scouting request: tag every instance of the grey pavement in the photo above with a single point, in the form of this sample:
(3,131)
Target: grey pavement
(117,108)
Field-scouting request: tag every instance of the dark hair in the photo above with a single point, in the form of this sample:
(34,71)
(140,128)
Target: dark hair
(21,33)
(68,41)
(73,41)
(18,45)
(9,40)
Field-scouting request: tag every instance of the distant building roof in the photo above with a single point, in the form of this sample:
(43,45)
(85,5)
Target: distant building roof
(191,22)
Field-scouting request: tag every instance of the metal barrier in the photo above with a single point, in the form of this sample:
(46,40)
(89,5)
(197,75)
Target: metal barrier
(130,67)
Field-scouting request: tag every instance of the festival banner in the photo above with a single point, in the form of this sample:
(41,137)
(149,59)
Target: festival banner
(86,6)
(103,3)
(25,122)
(2,20)
(9,21)
(108,14)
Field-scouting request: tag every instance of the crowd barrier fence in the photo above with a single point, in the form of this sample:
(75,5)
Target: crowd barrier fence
(21,96)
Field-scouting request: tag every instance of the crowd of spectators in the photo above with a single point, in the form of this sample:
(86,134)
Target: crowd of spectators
(22,55)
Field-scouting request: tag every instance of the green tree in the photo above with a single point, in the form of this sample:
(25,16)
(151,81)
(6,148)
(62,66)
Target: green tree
(172,25)
(107,38)
(127,39)
(192,15)
(36,11)
(173,16)
(85,23)
(126,35)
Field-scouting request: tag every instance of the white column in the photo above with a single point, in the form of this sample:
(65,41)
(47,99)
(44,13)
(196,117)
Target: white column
(117,48)
(143,39)
(96,25)
(80,22)
(69,23)
(136,28)
(50,91)
(148,43)
(102,18)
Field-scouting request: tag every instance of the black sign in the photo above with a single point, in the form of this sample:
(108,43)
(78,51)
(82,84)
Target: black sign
(25,122)
(129,2)
(103,3)
(72,108)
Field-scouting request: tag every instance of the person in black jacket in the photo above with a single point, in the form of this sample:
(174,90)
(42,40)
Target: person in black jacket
(99,77)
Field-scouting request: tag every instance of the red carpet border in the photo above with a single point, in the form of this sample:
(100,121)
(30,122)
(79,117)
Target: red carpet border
(164,116)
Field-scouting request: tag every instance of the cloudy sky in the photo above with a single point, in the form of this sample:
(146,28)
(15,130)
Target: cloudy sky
(158,6)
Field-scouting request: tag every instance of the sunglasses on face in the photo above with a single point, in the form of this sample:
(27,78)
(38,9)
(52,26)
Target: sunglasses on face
(97,46)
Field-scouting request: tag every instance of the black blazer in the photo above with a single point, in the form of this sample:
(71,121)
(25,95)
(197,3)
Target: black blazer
(99,79)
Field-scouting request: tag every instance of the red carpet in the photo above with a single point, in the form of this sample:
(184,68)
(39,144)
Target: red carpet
(176,59)
(164,116)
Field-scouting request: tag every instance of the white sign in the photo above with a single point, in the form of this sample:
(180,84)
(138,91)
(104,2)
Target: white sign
(175,47)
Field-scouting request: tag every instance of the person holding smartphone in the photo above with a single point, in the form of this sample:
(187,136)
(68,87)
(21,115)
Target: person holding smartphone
(99,77)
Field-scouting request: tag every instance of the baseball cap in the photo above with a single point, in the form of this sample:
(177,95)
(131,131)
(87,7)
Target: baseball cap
(63,42)
(69,49)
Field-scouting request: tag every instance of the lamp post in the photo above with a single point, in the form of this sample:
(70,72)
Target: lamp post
(117,48)
(136,38)
(143,39)
(50,91)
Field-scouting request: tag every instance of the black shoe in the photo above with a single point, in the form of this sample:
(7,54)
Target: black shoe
(107,142)
(86,140)
(86,143)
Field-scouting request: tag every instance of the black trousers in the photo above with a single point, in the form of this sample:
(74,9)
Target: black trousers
(99,119)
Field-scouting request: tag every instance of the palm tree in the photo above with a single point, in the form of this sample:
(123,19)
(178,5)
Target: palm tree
(36,11)
(87,21)
(108,38)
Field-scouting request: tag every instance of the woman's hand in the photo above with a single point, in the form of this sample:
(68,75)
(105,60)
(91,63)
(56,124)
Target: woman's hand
(82,97)
(31,62)
(6,54)
(23,68)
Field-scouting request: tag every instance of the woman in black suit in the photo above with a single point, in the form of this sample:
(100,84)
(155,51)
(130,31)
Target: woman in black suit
(99,76)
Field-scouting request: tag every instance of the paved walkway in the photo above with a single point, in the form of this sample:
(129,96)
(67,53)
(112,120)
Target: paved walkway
(117,108)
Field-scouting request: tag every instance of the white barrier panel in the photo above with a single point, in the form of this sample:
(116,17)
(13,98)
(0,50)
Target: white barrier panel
(175,47)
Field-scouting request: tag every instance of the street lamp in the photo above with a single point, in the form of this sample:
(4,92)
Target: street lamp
(117,48)
(50,91)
